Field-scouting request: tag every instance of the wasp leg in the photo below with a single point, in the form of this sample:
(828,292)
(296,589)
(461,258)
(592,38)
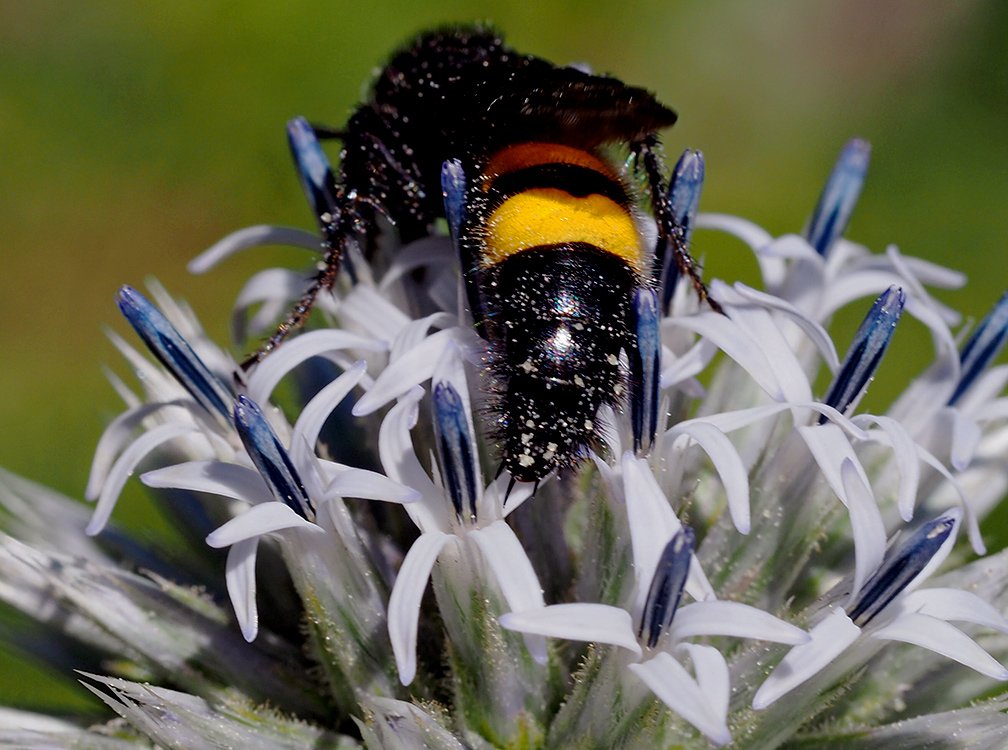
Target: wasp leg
(645,367)
(670,234)
(372,178)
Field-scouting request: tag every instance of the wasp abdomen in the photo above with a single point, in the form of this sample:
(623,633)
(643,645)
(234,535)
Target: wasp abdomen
(559,323)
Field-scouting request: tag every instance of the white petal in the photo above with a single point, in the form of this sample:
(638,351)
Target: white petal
(114,439)
(847,287)
(404,602)
(924,271)
(681,368)
(829,638)
(730,421)
(373,313)
(758,327)
(514,574)
(652,524)
(751,234)
(867,527)
(369,485)
(591,623)
(399,460)
(412,368)
(970,517)
(728,465)
(953,604)
(257,521)
(124,467)
(942,638)
(816,333)
(907,462)
(830,448)
(312,418)
(323,343)
(429,251)
(239,575)
(214,477)
(733,619)
(734,342)
(416,331)
(966,436)
(262,234)
(275,288)
(711,672)
(674,687)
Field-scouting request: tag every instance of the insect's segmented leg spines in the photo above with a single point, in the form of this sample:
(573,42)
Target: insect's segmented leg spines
(670,234)
(373,177)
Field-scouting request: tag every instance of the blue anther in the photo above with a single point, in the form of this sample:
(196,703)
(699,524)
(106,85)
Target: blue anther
(684,199)
(667,586)
(270,457)
(900,568)
(454,440)
(839,196)
(453,187)
(982,347)
(173,351)
(866,351)
(645,367)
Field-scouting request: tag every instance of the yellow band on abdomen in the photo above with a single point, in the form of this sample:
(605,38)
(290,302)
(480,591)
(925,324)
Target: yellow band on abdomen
(548,216)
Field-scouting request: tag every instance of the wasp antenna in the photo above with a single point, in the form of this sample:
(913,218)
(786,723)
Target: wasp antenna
(500,470)
(535,488)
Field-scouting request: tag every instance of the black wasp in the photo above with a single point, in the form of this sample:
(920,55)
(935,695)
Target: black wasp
(510,148)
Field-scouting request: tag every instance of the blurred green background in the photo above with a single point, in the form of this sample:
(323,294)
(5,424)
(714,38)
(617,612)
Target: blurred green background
(134,134)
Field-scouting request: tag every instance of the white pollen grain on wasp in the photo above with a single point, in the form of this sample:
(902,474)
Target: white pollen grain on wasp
(611,359)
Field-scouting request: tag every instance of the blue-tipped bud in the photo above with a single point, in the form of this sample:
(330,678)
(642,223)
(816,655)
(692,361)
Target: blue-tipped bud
(866,351)
(900,568)
(666,587)
(453,187)
(645,367)
(836,203)
(270,457)
(313,169)
(684,199)
(174,352)
(454,440)
(982,347)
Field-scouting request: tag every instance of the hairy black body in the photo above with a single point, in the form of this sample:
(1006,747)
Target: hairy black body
(549,240)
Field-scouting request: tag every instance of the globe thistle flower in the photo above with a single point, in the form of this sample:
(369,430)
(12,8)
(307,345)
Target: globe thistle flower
(739,579)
